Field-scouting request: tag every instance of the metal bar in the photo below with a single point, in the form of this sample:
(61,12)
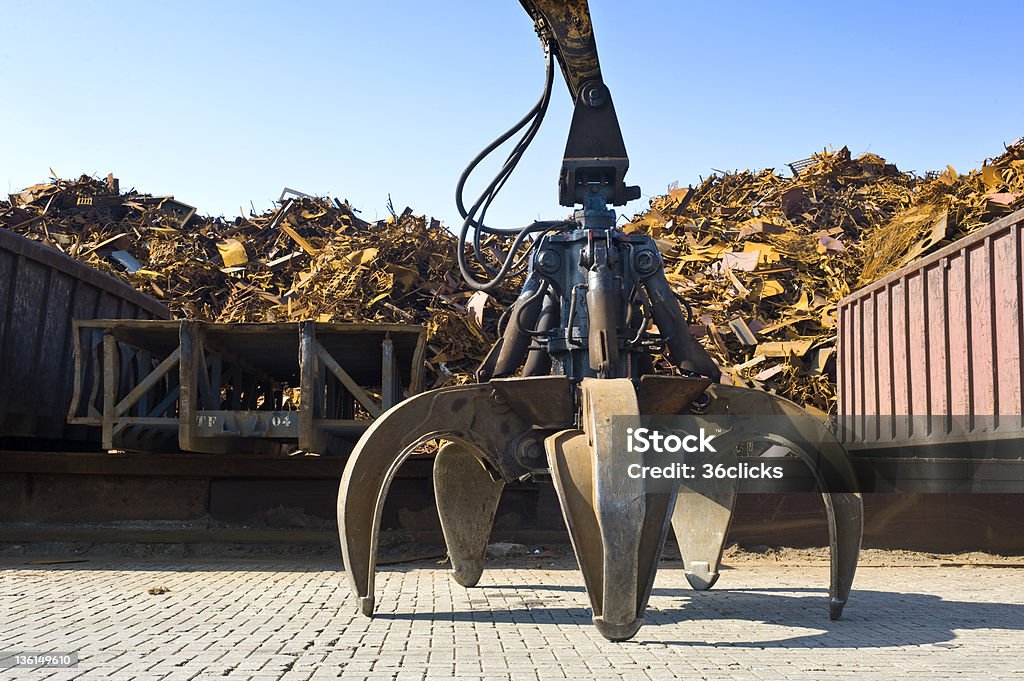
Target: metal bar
(110,377)
(203,374)
(144,362)
(388,371)
(124,422)
(186,383)
(147,383)
(95,354)
(416,375)
(364,399)
(307,387)
(169,399)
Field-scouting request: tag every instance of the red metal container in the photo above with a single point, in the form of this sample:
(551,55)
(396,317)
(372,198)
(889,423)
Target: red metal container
(931,354)
(41,291)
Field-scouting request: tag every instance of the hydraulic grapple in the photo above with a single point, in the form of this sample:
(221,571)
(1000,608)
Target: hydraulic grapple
(571,379)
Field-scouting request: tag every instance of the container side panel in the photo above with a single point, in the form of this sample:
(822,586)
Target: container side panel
(1006,348)
(982,366)
(843,366)
(67,358)
(939,345)
(870,371)
(860,374)
(883,372)
(108,307)
(900,358)
(1018,238)
(936,374)
(8,270)
(917,328)
(959,337)
(86,302)
(41,292)
(30,291)
(851,391)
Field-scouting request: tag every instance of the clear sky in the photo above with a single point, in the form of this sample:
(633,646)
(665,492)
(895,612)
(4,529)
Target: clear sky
(223,103)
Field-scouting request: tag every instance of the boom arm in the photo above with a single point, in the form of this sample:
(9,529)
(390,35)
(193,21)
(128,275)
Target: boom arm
(566,25)
(594,164)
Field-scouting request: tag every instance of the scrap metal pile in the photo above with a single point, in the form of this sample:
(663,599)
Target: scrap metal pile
(308,258)
(762,258)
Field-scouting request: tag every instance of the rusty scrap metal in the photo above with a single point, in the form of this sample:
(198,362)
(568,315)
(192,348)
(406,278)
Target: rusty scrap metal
(309,258)
(752,250)
(768,257)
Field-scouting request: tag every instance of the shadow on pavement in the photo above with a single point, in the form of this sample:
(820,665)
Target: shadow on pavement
(873,619)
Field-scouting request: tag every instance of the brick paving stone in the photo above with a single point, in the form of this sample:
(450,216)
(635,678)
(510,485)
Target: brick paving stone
(282,620)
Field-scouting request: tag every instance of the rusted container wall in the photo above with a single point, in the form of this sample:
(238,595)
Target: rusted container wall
(931,354)
(41,291)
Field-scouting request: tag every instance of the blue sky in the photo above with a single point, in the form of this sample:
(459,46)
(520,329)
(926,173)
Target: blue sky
(223,103)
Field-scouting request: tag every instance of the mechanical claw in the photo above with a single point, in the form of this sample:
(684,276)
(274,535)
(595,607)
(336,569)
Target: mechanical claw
(700,522)
(617,522)
(584,316)
(616,525)
(467,497)
(487,418)
(711,508)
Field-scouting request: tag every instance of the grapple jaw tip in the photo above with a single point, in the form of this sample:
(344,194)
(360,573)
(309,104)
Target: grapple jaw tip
(700,576)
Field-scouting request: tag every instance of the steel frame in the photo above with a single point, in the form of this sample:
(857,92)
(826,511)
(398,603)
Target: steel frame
(206,387)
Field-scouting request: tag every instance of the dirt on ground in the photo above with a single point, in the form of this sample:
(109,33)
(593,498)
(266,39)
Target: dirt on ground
(736,555)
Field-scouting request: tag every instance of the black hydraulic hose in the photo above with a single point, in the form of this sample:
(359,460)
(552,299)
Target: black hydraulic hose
(491,191)
(523,326)
(517,153)
(504,137)
(492,283)
(472,221)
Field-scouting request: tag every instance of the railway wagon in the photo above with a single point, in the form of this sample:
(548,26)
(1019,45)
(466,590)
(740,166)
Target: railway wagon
(41,292)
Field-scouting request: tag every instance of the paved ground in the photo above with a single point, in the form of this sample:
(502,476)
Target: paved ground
(282,619)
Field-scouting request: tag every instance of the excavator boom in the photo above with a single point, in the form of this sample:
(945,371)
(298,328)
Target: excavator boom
(565,25)
(595,162)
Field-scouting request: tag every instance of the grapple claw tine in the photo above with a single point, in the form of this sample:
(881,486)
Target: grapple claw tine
(484,418)
(824,455)
(467,498)
(617,528)
(845,513)
(700,522)
(373,463)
